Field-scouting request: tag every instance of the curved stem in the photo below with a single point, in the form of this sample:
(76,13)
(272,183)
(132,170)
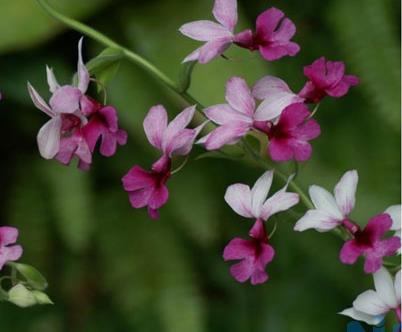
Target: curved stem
(130,55)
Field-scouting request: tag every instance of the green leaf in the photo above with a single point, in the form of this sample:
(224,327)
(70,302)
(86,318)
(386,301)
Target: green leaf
(34,278)
(185,75)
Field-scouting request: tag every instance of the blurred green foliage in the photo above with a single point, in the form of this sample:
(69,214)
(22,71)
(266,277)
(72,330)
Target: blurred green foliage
(112,269)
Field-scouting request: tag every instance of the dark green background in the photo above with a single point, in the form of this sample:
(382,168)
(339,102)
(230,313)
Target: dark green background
(112,269)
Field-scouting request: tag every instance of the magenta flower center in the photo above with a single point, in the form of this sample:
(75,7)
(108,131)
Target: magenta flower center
(70,122)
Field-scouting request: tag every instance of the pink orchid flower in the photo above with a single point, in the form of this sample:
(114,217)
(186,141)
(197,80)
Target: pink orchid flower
(272,37)
(240,114)
(148,188)
(252,203)
(218,36)
(326,78)
(369,243)
(77,121)
(372,305)
(332,211)
(8,251)
(289,137)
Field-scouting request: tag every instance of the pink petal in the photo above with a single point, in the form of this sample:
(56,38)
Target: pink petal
(137,178)
(155,124)
(244,39)
(225,12)
(223,114)
(140,198)
(372,263)
(38,101)
(226,134)
(269,86)
(182,143)
(285,32)
(205,30)
(345,191)
(268,21)
(153,214)
(307,131)
(242,271)
(259,277)
(350,252)
(213,49)
(82,71)
(193,56)
(279,150)
(159,197)
(8,235)
(342,88)
(238,196)
(378,225)
(273,106)
(8,254)
(316,71)
(66,100)
(238,249)
(51,80)
(49,138)
(302,150)
(239,96)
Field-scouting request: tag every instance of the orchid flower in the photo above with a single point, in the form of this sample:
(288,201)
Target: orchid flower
(256,253)
(148,188)
(9,251)
(77,121)
(218,36)
(372,305)
(333,211)
(272,37)
(326,78)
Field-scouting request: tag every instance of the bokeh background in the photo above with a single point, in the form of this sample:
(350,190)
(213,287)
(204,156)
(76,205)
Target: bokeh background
(112,269)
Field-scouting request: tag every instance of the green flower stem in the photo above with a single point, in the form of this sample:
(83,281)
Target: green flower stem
(131,56)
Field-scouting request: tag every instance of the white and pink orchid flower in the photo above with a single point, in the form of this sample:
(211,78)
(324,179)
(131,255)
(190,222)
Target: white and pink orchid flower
(395,213)
(64,111)
(240,114)
(253,203)
(331,210)
(372,305)
(218,36)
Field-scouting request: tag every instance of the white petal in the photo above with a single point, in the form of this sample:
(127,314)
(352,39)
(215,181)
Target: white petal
(260,191)
(82,71)
(370,303)
(273,105)
(49,138)
(325,201)
(193,56)
(225,12)
(51,80)
(280,201)
(38,101)
(397,286)
(238,196)
(345,191)
(360,316)
(384,286)
(204,30)
(320,220)
(395,212)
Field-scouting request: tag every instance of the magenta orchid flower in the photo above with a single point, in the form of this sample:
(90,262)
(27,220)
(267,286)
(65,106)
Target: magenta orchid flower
(332,211)
(369,243)
(289,137)
(273,36)
(240,114)
(326,78)
(218,36)
(8,250)
(77,121)
(372,305)
(148,188)
(252,203)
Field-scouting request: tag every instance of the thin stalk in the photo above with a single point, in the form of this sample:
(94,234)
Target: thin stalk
(130,55)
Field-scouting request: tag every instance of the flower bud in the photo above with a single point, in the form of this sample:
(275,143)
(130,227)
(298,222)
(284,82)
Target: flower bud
(21,296)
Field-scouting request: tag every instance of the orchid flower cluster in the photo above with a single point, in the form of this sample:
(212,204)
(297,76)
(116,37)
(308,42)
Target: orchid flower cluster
(284,122)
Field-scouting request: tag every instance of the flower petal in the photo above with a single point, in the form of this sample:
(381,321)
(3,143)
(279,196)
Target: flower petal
(49,138)
(259,192)
(238,196)
(225,12)
(350,252)
(325,201)
(8,235)
(224,114)
(65,100)
(213,49)
(82,71)
(345,191)
(38,101)
(155,124)
(395,213)
(370,303)
(361,316)
(51,80)
(280,201)
(204,30)
(268,21)
(226,134)
(384,286)
(397,286)
(239,96)
(320,220)
(238,248)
